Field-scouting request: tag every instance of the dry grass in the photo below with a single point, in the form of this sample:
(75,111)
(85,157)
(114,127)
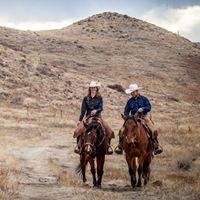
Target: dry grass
(9,186)
(180,161)
(65,176)
(176,170)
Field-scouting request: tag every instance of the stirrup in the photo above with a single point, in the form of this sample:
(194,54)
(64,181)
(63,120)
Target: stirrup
(77,150)
(109,150)
(118,150)
(158,150)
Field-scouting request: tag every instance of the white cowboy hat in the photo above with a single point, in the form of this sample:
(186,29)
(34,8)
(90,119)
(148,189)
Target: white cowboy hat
(94,84)
(132,88)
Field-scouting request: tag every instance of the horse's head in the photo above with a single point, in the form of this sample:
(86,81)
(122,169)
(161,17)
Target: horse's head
(92,137)
(131,130)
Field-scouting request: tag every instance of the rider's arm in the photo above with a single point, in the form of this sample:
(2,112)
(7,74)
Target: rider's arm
(127,109)
(100,107)
(83,109)
(147,105)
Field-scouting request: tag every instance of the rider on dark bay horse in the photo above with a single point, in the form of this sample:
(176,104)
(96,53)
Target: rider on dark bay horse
(140,104)
(92,105)
(94,144)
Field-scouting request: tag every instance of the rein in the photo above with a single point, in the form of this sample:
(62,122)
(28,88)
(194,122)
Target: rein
(132,118)
(137,136)
(93,146)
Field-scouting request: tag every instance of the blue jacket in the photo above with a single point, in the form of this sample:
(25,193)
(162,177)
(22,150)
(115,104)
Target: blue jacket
(89,104)
(134,104)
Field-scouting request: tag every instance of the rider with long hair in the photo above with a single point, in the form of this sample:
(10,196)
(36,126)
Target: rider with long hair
(92,105)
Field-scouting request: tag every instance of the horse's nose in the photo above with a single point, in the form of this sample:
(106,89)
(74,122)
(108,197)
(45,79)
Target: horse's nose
(129,144)
(130,140)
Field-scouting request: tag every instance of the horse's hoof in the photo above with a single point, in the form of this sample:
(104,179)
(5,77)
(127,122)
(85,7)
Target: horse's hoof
(84,180)
(97,186)
(133,186)
(139,185)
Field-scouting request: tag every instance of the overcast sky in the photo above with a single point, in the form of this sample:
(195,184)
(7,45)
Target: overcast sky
(179,16)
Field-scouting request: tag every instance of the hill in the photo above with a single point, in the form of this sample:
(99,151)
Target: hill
(45,74)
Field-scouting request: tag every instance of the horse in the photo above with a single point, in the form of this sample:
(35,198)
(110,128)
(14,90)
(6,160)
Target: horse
(137,147)
(93,145)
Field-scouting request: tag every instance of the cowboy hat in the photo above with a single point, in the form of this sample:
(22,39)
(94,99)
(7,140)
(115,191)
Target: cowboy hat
(132,88)
(94,84)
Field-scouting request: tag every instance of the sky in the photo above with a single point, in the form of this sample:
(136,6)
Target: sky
(178,16)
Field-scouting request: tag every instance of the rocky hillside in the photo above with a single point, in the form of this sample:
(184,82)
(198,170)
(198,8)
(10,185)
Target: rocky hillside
(54,67)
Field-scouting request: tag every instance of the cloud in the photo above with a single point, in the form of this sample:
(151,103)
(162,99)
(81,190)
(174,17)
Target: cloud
(185,21)
(37,25)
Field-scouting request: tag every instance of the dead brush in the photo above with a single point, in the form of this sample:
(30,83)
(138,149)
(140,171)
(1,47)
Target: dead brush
(186,162)
(116,87)
(9,188)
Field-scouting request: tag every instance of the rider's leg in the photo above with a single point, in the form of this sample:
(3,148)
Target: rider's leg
(110,134)
(154,131)
(119,148)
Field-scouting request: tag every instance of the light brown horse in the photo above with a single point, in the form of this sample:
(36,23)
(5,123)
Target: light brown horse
(137,145)
(93,145)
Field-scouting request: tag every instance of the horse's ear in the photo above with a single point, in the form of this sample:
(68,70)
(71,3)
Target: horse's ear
(85,124)
(123,117)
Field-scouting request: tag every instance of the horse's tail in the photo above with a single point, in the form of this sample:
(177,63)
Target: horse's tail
(78,170)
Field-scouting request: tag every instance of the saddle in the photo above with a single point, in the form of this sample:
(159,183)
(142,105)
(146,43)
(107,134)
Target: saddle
(149,133)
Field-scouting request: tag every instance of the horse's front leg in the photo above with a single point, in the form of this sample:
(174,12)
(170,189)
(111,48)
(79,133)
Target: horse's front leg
(140,170)
(100,165)
(131,161)
(146,168)
(83,167)
(93,171)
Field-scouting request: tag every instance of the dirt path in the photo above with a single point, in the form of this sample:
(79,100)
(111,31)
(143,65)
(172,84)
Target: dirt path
(47,165)
(36,158)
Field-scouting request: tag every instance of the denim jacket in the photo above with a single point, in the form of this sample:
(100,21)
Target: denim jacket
(91,103)
(134,104)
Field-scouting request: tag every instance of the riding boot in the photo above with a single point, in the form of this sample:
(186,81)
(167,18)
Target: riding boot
(77,147)
(119,148)
(109,149)
(157,148)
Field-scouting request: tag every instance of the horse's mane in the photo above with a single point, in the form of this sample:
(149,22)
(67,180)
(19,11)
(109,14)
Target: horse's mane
(132,118)
(99,129)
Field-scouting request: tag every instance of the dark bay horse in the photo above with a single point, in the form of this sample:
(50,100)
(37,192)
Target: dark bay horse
(137,145)
(93,145)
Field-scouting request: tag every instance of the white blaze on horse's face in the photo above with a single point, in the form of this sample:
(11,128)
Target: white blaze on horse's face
(130,139)
(88,149)
(89,133)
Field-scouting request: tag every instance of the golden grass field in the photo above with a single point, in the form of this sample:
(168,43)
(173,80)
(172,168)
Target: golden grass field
(37,161)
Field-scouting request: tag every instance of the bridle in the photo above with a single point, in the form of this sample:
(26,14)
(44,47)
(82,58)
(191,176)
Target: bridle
(93,146)
(126,137)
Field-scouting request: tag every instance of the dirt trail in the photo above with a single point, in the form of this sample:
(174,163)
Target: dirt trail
(47,172)
(38,181)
